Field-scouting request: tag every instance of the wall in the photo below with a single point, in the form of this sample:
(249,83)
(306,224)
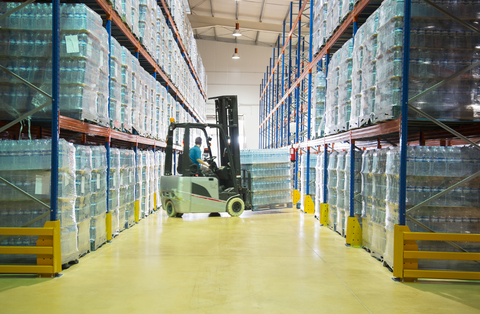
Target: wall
(241,77)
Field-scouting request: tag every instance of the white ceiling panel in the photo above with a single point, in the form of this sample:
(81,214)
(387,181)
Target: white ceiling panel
(261,21)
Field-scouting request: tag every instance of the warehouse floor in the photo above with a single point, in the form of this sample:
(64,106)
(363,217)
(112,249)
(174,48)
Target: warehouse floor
(264,262)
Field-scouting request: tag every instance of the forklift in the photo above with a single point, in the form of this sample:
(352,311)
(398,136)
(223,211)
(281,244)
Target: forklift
(212,190)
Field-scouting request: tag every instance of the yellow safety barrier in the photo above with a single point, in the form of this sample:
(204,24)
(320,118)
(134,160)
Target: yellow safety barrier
(309,206)
(406,255)
(354,232)
(108,223)
(48,250)
(295,197)
(323,214)
(155,201)
(137,211)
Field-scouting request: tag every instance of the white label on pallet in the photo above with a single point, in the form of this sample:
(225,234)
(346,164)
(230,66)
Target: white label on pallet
(38,184)
(72,44)
(82,186)
(98,181)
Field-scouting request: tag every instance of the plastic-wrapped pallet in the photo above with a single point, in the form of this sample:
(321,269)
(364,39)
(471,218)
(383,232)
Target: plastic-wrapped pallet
(346,8)
(370,39)
(319,183)
(378,213)
(27,165)
(126,91)
(83,164)
(331,108)
(332,190)
(98,209)
(114,190)
(156,178)
(271,180)
(26,51)
(115,84)
(340,190)
(459,98)
(357,182)
(367,198)
(429,171)
(357,78)
(345,86)
(312,178)
(136,92)
(127,189)
(135,12)
(140,185)
(320,94)
(389,65)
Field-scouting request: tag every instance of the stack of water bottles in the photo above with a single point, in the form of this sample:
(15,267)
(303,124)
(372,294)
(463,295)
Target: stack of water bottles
(26,47)
(98,209)
(378,213)
(303,176)
(319,183)
(127,189)
(83,171)
(331,106)
(429,31)
(332,190)
(27,165)
(116,73)
(126,90)
(374,201)
(114,190)
(429,171)
(341,189)
(320,97)
(357,182)
(367,197)
(271,179)
(344,86)
(319,24)
(139,182)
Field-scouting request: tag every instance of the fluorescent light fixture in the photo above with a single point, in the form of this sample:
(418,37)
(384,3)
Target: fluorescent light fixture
(235,55)
(237,32)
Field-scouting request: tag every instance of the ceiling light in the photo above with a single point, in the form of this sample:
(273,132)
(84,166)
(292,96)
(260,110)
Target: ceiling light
(237,32)
(235,55)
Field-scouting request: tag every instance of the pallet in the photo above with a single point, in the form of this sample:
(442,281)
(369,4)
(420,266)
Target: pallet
(272,206)
(95,246)
(129,225)
(69,264)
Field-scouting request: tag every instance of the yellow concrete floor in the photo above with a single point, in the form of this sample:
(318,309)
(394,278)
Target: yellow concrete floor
(266,262)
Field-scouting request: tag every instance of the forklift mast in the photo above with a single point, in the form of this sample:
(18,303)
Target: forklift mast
(226,111)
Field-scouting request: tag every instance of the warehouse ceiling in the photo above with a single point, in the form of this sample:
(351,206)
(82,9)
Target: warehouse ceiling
(261,21)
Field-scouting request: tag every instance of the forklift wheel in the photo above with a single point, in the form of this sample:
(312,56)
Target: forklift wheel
(170,209)
(235,207)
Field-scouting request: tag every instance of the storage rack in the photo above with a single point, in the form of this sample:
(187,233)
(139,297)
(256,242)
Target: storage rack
(85,132)
(401,131)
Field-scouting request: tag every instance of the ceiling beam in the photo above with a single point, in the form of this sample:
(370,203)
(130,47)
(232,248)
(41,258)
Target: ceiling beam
(200,21)
(262,11)
(232,41)
(198,4)
(211,8)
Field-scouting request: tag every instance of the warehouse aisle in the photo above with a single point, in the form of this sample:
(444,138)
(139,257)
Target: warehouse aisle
(267,262)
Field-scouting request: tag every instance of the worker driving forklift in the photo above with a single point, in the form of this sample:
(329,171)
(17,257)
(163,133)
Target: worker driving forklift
(213,188)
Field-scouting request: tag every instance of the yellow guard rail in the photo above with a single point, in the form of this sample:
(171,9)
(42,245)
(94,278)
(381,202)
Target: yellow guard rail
(48,250)
(406,255)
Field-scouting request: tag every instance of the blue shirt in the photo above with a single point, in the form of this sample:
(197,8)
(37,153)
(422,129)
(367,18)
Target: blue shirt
(195,154)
